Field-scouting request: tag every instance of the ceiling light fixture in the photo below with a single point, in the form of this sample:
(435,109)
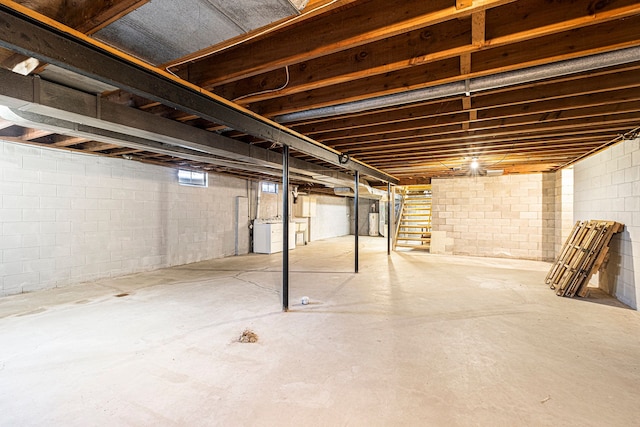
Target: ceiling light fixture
(474,163)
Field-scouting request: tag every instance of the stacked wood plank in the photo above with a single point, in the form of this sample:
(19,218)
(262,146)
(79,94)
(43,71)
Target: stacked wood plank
(584,253)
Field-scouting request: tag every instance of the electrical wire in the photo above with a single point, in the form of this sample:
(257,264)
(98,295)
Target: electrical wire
(286,83)
(503,157)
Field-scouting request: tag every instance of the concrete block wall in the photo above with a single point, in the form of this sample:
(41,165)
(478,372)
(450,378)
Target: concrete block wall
(69,218)
(607,187)
(332,219)
(332,213)
(505,216)
(563,214)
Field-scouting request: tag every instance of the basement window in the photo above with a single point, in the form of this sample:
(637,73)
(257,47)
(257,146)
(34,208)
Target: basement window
(194,179)
(269,187)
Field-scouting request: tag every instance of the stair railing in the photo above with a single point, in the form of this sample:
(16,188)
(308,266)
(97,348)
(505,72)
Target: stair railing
(399,217)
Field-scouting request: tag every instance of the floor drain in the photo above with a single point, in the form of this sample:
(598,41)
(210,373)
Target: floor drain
(122,295)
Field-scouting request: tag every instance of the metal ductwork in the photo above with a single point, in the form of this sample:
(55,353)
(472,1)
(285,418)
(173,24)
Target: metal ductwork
(364,192)
(31,102)
(477,84)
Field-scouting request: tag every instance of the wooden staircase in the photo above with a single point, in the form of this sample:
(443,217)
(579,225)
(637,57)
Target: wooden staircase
(413,230)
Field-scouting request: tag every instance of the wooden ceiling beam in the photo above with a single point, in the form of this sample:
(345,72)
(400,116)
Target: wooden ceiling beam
(430,153)
(438,72)
(557,47)
(489,61)
(490,159)
(120,151)
(465,139)
(95,146)
(395,53)
(67,141)
(449,39)
(31,134)
(526,19)
(95,15)
(325,35)
(434,126)
(86,16)
(520,147)
(568,126)
(562,89)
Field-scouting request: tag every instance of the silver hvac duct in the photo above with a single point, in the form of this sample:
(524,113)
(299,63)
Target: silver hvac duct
(477,84)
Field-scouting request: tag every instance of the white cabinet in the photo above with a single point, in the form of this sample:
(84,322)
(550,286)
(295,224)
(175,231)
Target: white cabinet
(267,238)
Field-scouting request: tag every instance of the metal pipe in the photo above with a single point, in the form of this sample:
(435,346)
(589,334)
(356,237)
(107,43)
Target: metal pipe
(388,218)
(356,207)
(477,84)
(285,228)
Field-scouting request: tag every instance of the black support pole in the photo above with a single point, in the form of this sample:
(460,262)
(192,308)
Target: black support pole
(355,206)
(388,218)
(285,228)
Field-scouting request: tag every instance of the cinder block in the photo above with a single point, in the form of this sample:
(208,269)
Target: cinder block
(13,284)
(38,215)
(79,204)
(19,228)
(39,265)
(617,177)
(98,193)
(632,204)
(624,190)
(10,189)
(10,215)
(10,268)
(38,240)
(55,178)
(70,191)
(122,194)
(632,174)
(66,263)
(624,161)
(20,254)
(20,202)
(38,163)
(54,203)
(20,176)
(38,189)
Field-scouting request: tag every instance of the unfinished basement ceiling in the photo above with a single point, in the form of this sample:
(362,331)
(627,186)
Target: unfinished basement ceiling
(164,30)
(336,56)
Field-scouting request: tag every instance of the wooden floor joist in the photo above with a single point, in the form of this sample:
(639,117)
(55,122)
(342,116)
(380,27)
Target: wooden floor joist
(584,252)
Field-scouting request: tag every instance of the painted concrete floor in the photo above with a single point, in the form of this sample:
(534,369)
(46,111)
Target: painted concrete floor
(413,339)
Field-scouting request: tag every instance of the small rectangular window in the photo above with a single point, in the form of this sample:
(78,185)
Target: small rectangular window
(195,179)
(269,187)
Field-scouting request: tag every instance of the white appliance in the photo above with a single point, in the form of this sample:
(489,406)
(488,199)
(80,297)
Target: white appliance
(267,237)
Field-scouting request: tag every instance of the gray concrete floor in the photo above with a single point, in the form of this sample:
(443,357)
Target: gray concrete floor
(413,339)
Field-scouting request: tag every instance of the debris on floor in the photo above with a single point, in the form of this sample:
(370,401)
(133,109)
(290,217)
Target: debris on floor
(585,251)
(248,336)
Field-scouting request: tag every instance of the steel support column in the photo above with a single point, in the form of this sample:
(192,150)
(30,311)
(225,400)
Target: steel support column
(388,218)
(356,216)
(285,228)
